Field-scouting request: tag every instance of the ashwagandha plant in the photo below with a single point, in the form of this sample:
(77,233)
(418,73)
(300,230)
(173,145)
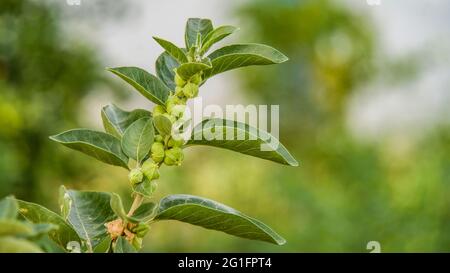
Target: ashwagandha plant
(141,142)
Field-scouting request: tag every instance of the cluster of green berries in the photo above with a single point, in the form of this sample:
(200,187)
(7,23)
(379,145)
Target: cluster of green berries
(138,232)
(149,169)
(167,149)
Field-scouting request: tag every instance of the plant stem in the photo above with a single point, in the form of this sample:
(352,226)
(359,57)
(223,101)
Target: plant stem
(136,203)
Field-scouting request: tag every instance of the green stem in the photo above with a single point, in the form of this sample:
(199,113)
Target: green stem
(136,204)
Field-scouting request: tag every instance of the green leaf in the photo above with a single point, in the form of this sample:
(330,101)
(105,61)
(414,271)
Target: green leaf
(16,245)
(116,120)
(117,206)
(213,215)
(163,125)
(142,214)
(103,246)
(196,26)
(123,246)
(40,215)
(246,140)
(8,208)
(187,70)
(145,188)
(165,65)
(138,139)
(240,55)
(99,145)
(215,36)
(14,227)
(88,214)
(148,85)
(42,229)
(172,49)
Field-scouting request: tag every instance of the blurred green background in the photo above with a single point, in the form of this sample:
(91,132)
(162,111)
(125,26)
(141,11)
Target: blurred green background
(349,189)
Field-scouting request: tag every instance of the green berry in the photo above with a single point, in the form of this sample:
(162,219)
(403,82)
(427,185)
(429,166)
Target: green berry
(174,156)
(196,79)
(159,138)
(190,90)
(158,110)
(141,229)
(171,118)
(157,152)
(179,81)
(175,143)
(172,102)
(178,110)
(137,242)
(136,176)
(150,170)
(179,91)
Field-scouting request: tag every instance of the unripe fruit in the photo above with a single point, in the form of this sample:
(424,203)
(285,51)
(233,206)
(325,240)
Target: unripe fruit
(157,152)
(136,176)
(179,81)
(179,91)
(172,102)
(175,143)
(141,229)
(159,138)
(158,110)
(190,90)
(171,118)
(178,110)
(150,170)
(196,79)
(174,156)
(137,242)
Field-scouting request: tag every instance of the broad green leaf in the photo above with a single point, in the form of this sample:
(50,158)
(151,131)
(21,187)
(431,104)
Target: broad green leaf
(215,36)
(138,139)
(117,206)
(42,229)
(123,246)
(88,214)
(12,227)
(148,85)
(17,245)
(39,215)
(8,208)
(213,215)
(242,138)
(195,26)
(145,188)
(116,120)
(163,125)
(103,246)
(48,245)
(240,55)
(165,65)
(172,49)
(99,145)
(187,70)
(142,214)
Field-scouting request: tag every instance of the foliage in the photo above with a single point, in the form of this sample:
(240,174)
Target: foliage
(142,141)
(45,73)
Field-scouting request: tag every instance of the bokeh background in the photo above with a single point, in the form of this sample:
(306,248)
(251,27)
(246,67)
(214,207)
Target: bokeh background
(364,102)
